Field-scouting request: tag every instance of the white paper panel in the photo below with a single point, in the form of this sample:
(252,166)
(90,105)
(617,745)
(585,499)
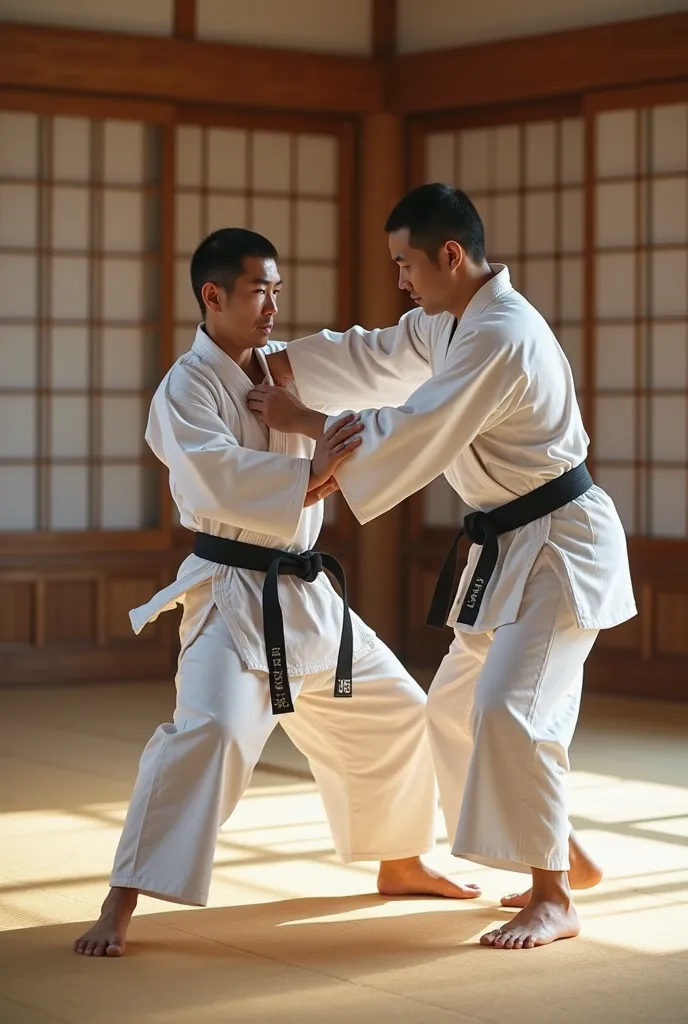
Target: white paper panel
(271,161)
(619,485)
(614,428)
(316,158)
(669,130)
(615,219)
(316,295)
(572,220)
(669,428)
(152,17)
(615,358)
(572,147)
(225,212)
(70,286)
(439,157)
(185,305)
(187,155)
(616,141)
(571,340)
(121,497)
(124,357)
(571,288)
(669,272)
(669,502)
(183,339)
(506,226)
(516,274)
(541,141)
(540,286)
(123,221)
(296,25)
(71,154)
(474,160)
(272,218)
(226,158)
(18,145)
(69,497)
(18,285)
(669,350)
(669,210)
(507,157)
(17,498)
(187,221)
(18,215)
(539,223)
(441,505)
(69,357)
(124,154)
(615,285)
(122,426)
(18,426)
(123,290)
(485,205)
(316,230)
(18,356)
(70,218)
(69,426)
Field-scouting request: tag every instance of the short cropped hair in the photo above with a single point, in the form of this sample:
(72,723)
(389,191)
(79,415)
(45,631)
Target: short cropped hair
(220,258)
(435,214)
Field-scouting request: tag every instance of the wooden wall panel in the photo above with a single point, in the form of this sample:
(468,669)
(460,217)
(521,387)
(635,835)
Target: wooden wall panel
(121,595)
(17,601)
(71,612)
(187,71)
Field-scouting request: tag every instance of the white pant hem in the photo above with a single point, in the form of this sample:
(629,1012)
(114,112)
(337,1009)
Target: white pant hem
(503,862)
(194,899)
(416,851)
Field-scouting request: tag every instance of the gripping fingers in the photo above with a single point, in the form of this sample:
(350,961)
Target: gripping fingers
(348,446)
(344,433)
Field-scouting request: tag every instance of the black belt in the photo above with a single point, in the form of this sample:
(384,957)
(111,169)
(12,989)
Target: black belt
(484,528)
(274,563)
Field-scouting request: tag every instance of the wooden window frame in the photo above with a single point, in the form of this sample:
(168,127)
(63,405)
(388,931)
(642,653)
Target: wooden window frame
(168,116)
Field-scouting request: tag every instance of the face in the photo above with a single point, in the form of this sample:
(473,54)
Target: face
(430,285)
(246,314)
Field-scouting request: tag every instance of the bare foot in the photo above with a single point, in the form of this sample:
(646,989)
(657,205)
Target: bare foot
(541,922)
(410,877)
(584,873)
(108,935)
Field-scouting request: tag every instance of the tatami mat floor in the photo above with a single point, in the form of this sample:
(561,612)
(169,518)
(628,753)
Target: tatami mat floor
(292,935)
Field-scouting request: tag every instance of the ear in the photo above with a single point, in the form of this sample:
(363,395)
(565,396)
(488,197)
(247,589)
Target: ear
(210,293)
(454,255)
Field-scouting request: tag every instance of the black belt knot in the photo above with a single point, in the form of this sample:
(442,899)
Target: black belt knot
(484,528)
(306,566)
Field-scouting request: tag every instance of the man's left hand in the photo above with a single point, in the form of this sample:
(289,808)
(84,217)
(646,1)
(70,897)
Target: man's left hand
(280,410)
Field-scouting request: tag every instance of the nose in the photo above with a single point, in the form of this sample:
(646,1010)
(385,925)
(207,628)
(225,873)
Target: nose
(404,283)
(270,305)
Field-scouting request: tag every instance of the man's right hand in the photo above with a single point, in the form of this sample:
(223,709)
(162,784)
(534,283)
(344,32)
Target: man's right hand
(279,366)
(333,447)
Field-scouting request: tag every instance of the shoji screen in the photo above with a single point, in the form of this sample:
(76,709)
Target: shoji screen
(640,253)
(80,307)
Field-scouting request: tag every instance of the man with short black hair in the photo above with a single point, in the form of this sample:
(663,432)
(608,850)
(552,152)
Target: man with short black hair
(473,384)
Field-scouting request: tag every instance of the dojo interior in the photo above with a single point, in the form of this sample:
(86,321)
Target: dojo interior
(128,131)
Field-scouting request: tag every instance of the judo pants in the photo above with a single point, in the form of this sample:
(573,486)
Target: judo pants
(369,754)
(502,711)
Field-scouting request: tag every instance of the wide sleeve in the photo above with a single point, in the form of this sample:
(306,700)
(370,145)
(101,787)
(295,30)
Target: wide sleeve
(216,477)
(360,369)
(404,449)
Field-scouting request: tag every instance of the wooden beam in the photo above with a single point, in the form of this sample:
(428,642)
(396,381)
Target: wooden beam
(187,71)
(185,19)
(384,18)
(564,63)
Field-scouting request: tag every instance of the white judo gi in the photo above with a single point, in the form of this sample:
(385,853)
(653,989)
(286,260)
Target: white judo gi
(495,410)
(369,754)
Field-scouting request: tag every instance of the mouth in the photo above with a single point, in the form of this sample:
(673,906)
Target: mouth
(265,328)
(416,298)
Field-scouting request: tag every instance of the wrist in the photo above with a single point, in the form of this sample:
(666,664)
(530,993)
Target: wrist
(313,423)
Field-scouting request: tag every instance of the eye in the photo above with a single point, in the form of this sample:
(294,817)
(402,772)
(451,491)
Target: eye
(260,291)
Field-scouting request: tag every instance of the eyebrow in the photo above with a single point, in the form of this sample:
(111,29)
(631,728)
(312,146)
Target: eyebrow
(264,280)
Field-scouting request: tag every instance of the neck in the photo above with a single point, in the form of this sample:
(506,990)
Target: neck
(242,356)
(472,282)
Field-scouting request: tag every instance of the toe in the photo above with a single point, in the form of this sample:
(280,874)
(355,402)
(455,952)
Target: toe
(99,949)
(529,942)
(114,949)
(488,939)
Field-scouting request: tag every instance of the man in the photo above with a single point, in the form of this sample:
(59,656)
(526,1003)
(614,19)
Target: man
(251,646)
(494,410)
